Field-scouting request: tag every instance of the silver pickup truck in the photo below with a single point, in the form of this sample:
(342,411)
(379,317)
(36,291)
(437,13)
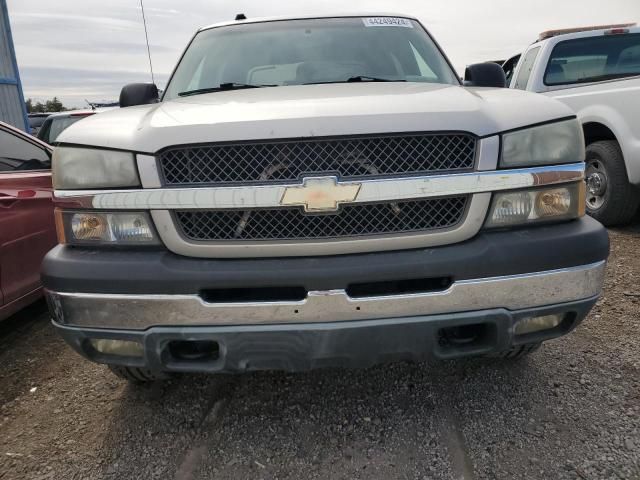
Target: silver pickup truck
(313,192)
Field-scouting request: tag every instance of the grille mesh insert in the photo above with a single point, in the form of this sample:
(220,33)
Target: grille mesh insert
(357,157)
(350,221)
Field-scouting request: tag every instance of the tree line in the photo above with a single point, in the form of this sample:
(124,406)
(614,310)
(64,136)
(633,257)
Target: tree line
(53,105)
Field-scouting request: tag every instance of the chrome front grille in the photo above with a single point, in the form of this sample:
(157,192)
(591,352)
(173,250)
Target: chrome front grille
(287,160)
(350,221)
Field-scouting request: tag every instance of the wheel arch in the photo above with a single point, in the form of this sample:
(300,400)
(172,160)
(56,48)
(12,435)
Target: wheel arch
(603,123)
(597,132)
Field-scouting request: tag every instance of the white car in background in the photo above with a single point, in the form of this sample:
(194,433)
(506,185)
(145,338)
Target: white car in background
(596,72)
(56,123)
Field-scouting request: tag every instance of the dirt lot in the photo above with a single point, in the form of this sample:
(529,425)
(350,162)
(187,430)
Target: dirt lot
(572,410)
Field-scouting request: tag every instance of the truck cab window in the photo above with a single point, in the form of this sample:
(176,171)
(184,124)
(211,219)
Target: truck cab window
(584,60)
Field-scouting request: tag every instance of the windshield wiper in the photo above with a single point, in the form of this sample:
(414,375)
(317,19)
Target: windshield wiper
(220,88)
(360,78)
(364,78)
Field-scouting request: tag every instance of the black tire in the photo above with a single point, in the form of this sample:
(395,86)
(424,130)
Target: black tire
(611,199)
(137,375)
(519,351)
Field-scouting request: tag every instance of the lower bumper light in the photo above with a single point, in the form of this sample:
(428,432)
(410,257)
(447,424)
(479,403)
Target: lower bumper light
(537,324)
(123,348)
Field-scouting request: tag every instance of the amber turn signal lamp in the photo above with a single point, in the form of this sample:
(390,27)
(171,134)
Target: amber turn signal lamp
(57,212)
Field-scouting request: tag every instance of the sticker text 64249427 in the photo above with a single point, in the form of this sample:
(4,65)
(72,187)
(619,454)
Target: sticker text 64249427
(387,22)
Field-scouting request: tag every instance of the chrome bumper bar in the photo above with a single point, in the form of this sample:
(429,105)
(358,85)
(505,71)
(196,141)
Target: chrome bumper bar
(513,292)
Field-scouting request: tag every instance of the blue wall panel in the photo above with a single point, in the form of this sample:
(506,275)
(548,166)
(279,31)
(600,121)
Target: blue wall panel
(12,108)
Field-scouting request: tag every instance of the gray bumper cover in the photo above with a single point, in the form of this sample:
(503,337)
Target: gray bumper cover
(299,347)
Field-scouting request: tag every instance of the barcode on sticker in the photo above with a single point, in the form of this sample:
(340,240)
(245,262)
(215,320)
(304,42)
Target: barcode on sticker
(387,22)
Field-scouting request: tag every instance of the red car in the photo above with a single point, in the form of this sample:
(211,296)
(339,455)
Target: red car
(27,228)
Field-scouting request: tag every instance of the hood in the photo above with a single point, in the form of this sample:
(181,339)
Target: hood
(314,110)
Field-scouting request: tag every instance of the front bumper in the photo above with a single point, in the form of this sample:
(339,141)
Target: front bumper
(514,292)
(300,347)
(494,280)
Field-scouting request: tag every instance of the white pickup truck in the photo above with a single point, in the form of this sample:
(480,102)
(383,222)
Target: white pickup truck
(596,72)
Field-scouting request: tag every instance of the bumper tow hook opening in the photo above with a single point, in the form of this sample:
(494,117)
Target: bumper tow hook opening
(465,337)
(193,351)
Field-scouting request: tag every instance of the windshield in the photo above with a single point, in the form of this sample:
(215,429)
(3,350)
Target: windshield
(297,52)
(593,59)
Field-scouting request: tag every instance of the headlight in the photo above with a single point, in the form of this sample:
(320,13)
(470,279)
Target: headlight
(523,207)
(102,228)
(81,168)
(551,144)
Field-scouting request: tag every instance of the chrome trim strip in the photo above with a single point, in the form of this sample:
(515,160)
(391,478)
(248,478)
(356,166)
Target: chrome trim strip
(374,190)
(513,292)
(467,228)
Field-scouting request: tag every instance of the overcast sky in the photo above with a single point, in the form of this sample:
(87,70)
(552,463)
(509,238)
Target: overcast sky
(79,49)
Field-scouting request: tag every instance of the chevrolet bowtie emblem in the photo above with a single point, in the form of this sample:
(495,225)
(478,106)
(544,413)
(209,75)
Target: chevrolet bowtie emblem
(320,194)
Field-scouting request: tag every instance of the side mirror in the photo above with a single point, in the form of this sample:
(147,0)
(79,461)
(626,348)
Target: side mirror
(138,94)
(485,75)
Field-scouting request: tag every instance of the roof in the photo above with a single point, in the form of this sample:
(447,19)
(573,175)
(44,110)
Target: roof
(565,31)
(307,17)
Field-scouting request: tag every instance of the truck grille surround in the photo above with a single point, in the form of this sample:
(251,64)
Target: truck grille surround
(350,221)
(290,161)
(287,160)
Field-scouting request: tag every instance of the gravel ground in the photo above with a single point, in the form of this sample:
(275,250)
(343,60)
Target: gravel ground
(571,410)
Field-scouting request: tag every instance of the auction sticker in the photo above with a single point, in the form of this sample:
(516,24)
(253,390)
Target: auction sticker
(387,22)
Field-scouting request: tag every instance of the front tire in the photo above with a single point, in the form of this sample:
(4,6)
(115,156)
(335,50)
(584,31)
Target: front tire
(611,199)
(137,375)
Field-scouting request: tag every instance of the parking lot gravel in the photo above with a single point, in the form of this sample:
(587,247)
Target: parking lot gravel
(569,411)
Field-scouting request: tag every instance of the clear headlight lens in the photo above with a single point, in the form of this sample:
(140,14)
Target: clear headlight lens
(100,228)
(537,205)
(82,168)
(554,143)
